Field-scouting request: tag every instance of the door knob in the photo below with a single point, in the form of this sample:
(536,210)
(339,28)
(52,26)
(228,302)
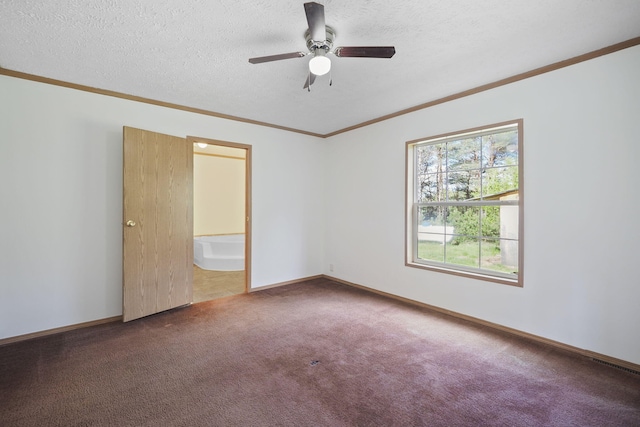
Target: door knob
(131,223)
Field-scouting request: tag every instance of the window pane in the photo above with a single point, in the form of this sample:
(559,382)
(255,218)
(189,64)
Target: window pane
(430,217)
(499,255)
(430,188)
(466,253)
(430,250)
(509,222)
(490,221)
(500,149)
(464,221)
(500,222)
(430,158)
(464,154)
(432,233)
(497,181)
(509,254)
(463,185)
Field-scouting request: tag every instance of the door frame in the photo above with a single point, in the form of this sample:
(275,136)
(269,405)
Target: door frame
(247,199)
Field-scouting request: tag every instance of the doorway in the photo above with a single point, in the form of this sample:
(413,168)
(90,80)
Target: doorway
(221,206)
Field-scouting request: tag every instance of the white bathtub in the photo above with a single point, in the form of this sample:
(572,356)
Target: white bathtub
(221,253)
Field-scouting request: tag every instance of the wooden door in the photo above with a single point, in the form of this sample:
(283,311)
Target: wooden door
(157,253)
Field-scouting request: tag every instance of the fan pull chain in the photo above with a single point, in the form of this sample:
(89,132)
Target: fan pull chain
(330,78)
(309,81)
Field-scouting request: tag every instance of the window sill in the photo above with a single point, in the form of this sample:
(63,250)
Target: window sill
(478,276)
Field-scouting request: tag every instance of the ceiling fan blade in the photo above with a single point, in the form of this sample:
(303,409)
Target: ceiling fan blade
(309,81)
(365,51)
(270,58)
(315,18)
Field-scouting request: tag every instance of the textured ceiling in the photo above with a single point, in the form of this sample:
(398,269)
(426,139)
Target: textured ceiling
(195,52)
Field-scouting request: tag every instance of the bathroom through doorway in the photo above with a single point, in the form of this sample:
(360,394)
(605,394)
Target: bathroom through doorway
(221,213)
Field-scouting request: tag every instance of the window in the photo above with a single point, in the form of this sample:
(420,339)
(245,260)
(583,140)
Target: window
(464,203)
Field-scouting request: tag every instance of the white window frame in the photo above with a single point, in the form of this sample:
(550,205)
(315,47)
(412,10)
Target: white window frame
(413,205)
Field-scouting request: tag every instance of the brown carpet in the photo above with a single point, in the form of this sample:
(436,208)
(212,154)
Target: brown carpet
(316,353)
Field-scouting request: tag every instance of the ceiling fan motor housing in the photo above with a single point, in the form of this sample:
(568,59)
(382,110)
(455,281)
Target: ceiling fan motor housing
(326,45)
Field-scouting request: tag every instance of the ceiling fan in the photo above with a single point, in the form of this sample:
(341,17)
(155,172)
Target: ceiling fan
(319,38)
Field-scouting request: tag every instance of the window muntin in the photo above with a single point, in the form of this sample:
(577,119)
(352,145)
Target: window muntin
(464,200)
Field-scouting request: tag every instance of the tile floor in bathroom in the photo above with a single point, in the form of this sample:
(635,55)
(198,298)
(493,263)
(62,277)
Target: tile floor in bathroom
(208,285)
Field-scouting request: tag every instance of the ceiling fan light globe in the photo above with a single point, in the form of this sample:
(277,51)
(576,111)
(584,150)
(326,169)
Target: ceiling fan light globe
(319,65)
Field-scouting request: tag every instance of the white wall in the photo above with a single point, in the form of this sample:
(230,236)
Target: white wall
(218,195)
(61,198)
(582,199)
